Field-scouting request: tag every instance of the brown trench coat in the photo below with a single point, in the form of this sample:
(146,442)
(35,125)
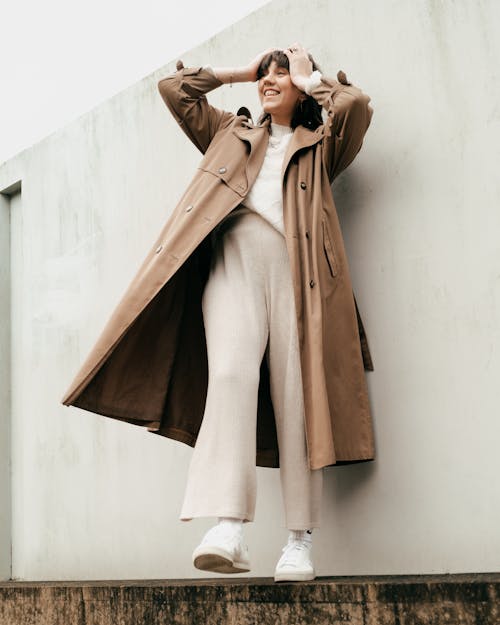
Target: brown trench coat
(149,365)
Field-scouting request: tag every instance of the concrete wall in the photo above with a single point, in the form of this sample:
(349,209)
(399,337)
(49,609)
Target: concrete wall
(7,198)
(98,499)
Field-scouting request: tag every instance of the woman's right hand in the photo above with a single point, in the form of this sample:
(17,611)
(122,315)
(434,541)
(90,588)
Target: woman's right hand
(253,66)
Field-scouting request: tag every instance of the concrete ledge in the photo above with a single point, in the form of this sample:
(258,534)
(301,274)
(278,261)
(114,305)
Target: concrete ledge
(375,600)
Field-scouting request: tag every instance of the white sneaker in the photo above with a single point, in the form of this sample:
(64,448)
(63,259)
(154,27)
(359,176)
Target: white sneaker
(295,563)
(222,551)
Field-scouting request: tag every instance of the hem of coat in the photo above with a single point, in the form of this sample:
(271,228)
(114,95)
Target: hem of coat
(323,464)
(352,461)
(266,458)
(103,411)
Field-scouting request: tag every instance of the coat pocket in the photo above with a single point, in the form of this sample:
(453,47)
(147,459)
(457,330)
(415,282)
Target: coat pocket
(329,250)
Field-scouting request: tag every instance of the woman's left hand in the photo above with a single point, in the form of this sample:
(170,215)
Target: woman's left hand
(300,64)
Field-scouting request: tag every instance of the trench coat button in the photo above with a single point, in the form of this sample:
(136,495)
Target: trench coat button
(307,234)
(222,170)
(311,283)
(303,185)
(189,208)
(159,249)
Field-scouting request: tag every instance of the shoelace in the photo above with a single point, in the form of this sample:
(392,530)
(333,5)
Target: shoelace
(290,550)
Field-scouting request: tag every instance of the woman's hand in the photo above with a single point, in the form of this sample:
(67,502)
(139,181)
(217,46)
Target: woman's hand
(253,66)
(300,64)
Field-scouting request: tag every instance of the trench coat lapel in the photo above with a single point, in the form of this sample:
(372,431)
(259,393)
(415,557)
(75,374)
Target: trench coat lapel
(257,138)
(301,138)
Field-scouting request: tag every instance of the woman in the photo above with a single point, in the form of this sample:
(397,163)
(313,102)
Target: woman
(250,271)
(255,246)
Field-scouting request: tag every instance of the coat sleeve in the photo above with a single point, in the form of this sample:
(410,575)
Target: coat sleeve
(183,92)
(348,118)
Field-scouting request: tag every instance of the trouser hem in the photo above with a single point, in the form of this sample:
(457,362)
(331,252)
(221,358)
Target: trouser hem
(246,518)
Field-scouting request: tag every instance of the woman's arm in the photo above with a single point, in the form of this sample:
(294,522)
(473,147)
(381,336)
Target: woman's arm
(348,118)
(183,92)
(231,74)
(347,108)
(245,73)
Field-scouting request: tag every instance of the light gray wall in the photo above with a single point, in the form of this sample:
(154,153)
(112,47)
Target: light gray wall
(8,197)
(98,499)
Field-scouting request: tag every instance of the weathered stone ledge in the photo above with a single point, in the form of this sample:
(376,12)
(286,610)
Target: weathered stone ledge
(461,599)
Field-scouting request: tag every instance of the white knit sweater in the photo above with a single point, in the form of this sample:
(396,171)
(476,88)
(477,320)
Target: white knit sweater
(265,195)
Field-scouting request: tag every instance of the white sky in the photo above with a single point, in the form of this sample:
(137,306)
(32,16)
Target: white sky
(58,58)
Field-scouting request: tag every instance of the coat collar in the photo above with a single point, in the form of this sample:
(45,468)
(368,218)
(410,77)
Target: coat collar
(258,136)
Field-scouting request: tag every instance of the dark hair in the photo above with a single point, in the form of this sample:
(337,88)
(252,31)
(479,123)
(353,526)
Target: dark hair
(308,112)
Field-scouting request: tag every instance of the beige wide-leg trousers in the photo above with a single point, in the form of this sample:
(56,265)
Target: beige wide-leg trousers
(248,310)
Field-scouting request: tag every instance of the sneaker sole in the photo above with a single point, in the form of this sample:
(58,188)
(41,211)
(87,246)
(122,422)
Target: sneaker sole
(217,560)
(294,577)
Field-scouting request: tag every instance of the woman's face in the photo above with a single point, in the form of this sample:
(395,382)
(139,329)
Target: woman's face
(280,105)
